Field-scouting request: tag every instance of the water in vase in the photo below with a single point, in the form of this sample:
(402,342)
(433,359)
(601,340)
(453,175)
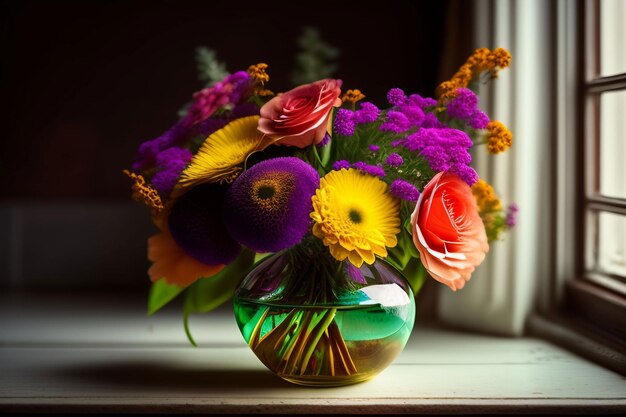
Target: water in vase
(340,344)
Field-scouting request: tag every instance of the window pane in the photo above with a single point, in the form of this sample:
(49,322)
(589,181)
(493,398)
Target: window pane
(613,143)
(611,243)
(612,37)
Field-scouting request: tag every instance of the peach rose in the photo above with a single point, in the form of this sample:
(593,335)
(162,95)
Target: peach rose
(299,117)
(448,231)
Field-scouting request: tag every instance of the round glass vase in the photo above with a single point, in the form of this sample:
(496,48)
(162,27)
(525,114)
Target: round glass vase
(316,321)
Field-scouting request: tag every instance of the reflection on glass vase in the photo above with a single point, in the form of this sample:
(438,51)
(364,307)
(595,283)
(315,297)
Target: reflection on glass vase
(313,320)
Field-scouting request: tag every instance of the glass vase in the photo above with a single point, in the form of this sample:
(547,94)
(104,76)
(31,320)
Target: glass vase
(313,320)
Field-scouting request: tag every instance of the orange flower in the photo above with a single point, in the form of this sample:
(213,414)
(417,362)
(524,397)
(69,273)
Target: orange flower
(486,198)
(144,192)
(171,263)
(500,137)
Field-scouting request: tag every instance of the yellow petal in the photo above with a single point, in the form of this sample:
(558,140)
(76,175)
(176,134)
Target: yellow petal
(222,154)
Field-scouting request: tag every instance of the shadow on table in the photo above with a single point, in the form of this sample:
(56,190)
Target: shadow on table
(145,375)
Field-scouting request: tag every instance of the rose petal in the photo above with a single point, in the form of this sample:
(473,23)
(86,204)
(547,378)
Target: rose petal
(448,231)
(299,117)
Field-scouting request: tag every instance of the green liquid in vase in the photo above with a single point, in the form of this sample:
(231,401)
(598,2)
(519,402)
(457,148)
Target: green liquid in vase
(325,345)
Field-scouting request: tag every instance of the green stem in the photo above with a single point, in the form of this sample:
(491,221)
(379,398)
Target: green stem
(328,317)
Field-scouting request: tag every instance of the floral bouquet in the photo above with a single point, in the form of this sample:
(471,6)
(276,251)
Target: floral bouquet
(313,208)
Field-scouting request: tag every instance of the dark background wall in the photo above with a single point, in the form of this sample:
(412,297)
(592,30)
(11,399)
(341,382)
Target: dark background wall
(83,83)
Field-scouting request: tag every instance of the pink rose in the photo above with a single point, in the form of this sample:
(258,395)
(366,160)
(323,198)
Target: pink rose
(299,117)
(448,231)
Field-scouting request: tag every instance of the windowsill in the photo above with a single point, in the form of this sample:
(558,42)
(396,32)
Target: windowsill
(62,353)
(581,337)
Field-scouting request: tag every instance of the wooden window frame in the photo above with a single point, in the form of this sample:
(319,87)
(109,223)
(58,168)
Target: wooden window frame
(580,311)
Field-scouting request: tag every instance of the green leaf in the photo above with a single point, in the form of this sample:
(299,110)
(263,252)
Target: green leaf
(404,251)
(160,294)
(415,273)
(405,257)
(260,256)
(325,155)
(206,294)
(321,160)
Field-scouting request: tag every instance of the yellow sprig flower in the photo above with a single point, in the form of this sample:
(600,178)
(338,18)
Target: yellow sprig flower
(486,198)
(144,192)
(498,59)
(500,137)
(481,60)
(263,92)
(258,73)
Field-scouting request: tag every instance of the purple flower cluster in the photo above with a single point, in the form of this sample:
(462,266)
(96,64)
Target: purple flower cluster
(414,114)
(394,160)
(511,215)
(374,170)
(422,102)
(374,148)
(430,120)
(346,120)
(341,164)
(396,97)
(368,113)
(184,130)
(206,101)
(325,140)
(148,151)
(464,106)
(444,137)
(465,172)
(396,122)
(407,113)
(404,190)
(445,149)
(479,120)
(171,163)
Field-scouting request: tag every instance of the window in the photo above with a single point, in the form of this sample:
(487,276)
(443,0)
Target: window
(582,303)
(605,172)
(597,293)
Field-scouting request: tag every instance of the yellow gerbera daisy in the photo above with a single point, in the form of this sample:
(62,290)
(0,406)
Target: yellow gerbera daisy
(355,216)
(221,155)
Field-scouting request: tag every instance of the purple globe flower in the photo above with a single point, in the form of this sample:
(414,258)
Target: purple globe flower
(197,227)
(267,208)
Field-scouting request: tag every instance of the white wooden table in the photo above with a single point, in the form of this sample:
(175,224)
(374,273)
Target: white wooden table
(86,354)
